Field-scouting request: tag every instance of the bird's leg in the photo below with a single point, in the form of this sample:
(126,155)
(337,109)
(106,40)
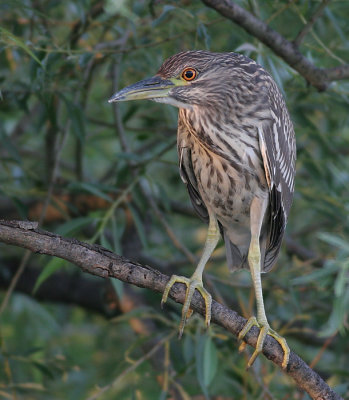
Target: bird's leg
(257,212)
(195,282)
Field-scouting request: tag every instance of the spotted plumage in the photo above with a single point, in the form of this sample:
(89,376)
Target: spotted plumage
(237,154)
(236,144)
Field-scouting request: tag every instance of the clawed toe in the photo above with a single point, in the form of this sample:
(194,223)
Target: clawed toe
(264,331)
(192,284)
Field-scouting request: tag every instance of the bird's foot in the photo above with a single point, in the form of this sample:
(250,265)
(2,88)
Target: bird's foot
(191,284)
(264,331)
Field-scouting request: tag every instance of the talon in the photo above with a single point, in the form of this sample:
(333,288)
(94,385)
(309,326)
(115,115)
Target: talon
(251,322)
(264,331)
(168,287)
(242,347)
(282,342)
(192,285)
(190,313)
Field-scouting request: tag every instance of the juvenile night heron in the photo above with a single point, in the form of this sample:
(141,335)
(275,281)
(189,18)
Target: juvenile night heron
(237,154)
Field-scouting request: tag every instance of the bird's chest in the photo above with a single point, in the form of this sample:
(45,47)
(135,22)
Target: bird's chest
(227,164)
(227,185)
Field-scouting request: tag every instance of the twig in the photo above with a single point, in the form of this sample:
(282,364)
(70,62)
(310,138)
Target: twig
(80,27)
(308,26)
(27,254)
(280,11)
(303,253)
(169,231)
(107,47)
(116,109)
(318,356)
(319,41)
(131,368)
(320,78)
(15,280)
(101,262)
(96,9)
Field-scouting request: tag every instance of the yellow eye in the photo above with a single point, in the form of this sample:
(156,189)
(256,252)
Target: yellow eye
(189,74)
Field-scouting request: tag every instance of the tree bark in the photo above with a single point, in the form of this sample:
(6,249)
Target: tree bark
(289,51)
(99,261)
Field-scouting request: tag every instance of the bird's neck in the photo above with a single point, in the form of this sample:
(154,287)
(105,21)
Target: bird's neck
(197,124)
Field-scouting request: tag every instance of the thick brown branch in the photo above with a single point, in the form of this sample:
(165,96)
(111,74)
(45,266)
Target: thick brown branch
(101,262)
(288,51)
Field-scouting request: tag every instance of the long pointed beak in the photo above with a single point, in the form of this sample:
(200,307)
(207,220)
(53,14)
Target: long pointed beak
(151,88)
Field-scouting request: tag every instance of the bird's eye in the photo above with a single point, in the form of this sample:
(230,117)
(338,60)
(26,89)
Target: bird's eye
(189,74)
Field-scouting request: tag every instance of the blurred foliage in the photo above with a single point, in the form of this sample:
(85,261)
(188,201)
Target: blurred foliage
(104,173)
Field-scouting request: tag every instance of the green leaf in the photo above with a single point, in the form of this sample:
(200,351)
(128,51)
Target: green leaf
(334,240)
(188,348)
(105,242)
(43,369)
(52,266)
(139,226)
(128,157)
(5,34)
(118,224)
(135,313)
(122,8)
(210,360)
(118,287)
(203,32)
(166,9)
(246,48)
(90,188)
(338,316)
(318,275)
(74,225)
(76,116)
(342,279)
(6,143)
(206,361)
(276,76)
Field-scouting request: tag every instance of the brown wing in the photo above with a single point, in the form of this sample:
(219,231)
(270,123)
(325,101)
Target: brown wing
(278,148)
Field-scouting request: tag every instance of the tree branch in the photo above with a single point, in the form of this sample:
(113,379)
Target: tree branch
(307,27)
(320,78)
(101,262)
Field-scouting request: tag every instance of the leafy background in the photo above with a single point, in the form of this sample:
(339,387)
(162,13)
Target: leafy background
(108,174)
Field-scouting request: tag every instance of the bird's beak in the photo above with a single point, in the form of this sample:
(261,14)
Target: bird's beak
(151,88)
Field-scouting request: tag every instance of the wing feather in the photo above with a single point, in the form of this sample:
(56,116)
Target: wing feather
(277,145)
(188,177)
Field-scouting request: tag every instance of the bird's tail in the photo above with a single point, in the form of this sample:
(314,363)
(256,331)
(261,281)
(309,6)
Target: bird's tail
(235,259)
(238,260)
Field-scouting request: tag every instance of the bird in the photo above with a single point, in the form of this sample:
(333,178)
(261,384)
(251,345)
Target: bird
(237,154)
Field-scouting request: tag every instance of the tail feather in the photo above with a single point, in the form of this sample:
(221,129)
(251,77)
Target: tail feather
(234,258)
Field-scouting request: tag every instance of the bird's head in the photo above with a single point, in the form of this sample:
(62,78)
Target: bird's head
(192,78)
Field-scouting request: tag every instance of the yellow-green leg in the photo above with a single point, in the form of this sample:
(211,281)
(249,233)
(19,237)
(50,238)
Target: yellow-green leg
(195,282)
(257,211)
